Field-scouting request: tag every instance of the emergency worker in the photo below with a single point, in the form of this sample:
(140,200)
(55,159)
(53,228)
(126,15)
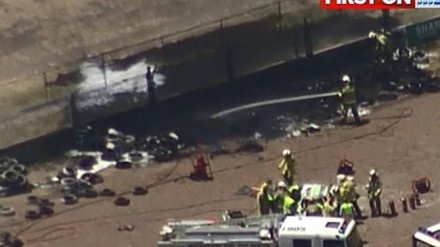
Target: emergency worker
(349,100)
(347,210)
(265,198)
(282,199)
(313,208)
(383,50)
(329,208)
(349,187)
(374,189)
(287,166)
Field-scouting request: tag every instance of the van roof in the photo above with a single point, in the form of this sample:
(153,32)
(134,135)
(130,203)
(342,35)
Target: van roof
(429,236)
(325,227)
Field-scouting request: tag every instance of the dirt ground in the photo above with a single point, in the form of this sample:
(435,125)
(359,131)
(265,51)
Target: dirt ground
(401,142)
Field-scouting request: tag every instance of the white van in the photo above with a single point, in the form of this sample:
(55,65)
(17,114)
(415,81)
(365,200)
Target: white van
(427,237)
(310,231)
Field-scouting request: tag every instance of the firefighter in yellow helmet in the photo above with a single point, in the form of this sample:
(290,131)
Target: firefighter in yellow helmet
(265,198)
(349,99)
(382,47)
(287,166)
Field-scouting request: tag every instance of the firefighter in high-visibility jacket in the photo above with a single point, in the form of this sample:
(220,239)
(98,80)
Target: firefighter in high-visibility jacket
(350,195)
(374,189)
(349,100)
(383,50)
(286,204)
(287,166)
(265,198)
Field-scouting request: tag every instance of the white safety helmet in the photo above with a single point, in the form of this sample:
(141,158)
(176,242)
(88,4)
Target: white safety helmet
(340,178)
(110,146)
(350,178)
(112,131)
(372,35)
(373,172)
(282,184)
(286,152)
(173,136)
(346,78)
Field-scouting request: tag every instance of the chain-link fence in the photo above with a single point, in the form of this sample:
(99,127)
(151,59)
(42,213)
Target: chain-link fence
(195,58)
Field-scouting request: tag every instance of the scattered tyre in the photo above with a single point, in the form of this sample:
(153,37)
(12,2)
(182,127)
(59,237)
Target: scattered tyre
(139,191)
(124,164)
(47,211)
(136,156)
(69,171)
(7,211)
(107,192)
(32,215)
(32,200)
(90,193)
(87,163)
(92,178)
(45,203)
(69,182)
(19,168)
(10,176)
(69,199)
(121,201)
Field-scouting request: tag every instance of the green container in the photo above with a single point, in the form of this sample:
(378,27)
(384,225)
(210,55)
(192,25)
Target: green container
(423,32)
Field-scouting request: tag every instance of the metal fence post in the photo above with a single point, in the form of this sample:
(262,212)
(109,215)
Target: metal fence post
(280,17)
(228,55)
(308,42)
(46,89)
(104,69)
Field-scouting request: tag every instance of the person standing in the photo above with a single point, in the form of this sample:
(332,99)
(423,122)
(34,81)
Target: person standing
(374,189)
(349,100)
(151,85)
(265,198)
(287,166)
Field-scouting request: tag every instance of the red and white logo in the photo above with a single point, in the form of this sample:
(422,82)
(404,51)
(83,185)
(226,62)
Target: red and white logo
(367,4)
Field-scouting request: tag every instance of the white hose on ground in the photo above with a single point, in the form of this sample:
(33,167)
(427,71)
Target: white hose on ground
(273,102)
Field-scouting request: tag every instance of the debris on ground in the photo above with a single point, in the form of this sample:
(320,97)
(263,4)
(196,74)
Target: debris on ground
(13,178)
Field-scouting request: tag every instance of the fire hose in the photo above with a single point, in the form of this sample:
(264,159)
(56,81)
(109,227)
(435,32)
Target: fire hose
(273,102)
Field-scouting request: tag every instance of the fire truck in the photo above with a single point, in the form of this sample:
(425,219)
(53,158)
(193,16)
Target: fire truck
(427,237)
(264,231)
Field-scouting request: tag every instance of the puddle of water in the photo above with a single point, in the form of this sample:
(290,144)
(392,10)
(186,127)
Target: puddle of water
(93,91)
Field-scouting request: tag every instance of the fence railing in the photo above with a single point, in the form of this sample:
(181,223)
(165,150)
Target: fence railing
(193,58)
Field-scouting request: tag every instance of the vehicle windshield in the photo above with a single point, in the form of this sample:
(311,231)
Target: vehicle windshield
(354,240)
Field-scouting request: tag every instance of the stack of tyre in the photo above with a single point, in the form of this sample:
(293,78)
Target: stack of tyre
(6,239)
(13,175)
(74,188)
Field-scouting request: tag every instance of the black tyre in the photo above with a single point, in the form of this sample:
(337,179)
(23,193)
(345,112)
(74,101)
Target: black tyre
(32,200)
(87,163)
(47,211)
(69,171)
(45,203)
(107,192)
(32,215)
(121,201)
(92,178)
(19,168)
(139,191)
(69,182)
(136,156)
(10,176)
(89,193)
(7,211)
(21,181)
(69,199)
(124,164)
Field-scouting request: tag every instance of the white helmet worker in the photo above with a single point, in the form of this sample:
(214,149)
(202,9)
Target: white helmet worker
(340,178)
(346,79)
(372,35)
(282,184)
(287,152)
(373,172)
(112,132)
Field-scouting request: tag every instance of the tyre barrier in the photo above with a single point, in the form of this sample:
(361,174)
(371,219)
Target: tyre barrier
(45,203)
(107,192)
(162,155)
(32,200)
(421,186)
(21,181)
(92,178)
(89,193)
(7,211)
(69,171)
(8,161)
(69,182)
(32,215)
(136,156)
(19,168)
(47,211)
(83,185)
(139,191)
(121,201)
(124,164)
(69,199)
(69,190)
(87,163)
